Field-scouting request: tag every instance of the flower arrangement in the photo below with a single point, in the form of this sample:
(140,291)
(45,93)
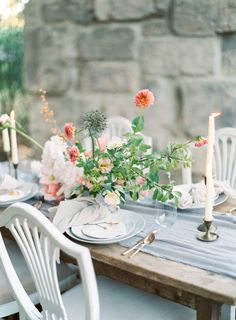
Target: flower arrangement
(114,169)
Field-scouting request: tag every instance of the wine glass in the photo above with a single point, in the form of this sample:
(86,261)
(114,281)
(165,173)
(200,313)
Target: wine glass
(165,214)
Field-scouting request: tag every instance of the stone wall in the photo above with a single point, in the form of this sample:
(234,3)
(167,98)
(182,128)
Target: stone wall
(97,53)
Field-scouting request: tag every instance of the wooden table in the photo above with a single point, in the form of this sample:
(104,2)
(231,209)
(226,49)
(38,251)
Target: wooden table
(207,292)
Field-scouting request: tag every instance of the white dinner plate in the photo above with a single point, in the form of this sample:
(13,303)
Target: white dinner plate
(138,222)
(29,190)
(201,205)
(125,219)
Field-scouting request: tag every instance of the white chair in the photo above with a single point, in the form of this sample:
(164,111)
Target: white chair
(225,156)
(40,243)
(8,306)
(117,126)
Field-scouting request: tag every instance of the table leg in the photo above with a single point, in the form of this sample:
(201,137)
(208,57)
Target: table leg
(227,312)
(208,310)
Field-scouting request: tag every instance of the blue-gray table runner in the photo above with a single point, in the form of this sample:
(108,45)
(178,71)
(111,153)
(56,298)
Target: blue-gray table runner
(179,242)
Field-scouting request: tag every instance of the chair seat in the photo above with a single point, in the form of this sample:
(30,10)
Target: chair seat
(66,276)
(120,301)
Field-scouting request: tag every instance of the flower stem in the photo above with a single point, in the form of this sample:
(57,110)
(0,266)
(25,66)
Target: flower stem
(27,137)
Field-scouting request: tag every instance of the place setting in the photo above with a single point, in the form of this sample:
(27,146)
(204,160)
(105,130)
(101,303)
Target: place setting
(115,228)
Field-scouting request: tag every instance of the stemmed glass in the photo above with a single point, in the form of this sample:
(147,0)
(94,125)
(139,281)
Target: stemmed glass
(165,214)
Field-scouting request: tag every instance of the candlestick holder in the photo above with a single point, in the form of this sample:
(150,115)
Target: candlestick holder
(15,166)
(208,235)
(203,228)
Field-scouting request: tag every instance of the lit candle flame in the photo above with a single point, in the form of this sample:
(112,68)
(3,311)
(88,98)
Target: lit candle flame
(215,114)
(12,115)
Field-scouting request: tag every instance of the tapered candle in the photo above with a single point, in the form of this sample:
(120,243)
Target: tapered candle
(209,165)
(14,149)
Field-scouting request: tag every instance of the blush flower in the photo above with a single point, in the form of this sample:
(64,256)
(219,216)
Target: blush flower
(105,165)
(69,131)
(73,153)
(144,98)
(140,180)
(200,142)
(112,199)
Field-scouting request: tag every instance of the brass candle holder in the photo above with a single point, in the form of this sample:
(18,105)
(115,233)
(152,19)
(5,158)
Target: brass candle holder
(203,228)
(207,235)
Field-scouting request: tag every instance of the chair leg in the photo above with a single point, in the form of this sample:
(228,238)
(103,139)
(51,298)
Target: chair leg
(228,312)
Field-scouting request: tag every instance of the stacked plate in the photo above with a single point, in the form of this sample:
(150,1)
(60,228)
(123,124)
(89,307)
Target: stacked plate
(24,192)
(115,228)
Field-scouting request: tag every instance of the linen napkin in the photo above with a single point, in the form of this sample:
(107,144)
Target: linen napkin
(8,183)
(78,211)
(186,199)
(224,186)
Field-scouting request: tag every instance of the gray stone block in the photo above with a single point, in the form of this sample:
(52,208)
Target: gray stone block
(162,119)
(110,77)
(162,7)
(33,14)
(226,16)
(202,98)
(155,28)
(105,43)
(79,11)
(177,56)
(197,18)
(45,66)
(123,9)
(54,12)
(229,54)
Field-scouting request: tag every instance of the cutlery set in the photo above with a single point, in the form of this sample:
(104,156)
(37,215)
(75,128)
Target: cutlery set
(140,244)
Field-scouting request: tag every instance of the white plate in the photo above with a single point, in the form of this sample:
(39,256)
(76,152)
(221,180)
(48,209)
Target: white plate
(31,189)
(121,216)
(201,205)
(137,219)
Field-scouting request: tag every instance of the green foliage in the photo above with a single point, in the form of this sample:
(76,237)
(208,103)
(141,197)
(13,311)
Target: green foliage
(11,62)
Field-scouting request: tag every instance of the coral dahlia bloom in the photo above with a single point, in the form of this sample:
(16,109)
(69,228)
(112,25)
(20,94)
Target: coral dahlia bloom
(144,98)
(69,131)
(73,153)
(200,142)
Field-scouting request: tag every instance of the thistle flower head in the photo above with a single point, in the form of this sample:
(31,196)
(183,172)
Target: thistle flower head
(95,122)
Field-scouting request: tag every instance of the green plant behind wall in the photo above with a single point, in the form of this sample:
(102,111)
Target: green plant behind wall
(11,65)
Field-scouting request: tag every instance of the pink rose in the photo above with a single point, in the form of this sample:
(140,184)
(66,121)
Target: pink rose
(73,153)
(112,199)
(105,165)
(69,131)
(144,98)
(140,180)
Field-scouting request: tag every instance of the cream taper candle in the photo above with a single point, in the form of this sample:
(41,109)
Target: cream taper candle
(210,193)
(14,149)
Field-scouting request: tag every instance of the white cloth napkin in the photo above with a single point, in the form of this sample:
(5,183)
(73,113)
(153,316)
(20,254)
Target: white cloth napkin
(224,186)
(186,199)
(8,183)
(78,211)
(196,193)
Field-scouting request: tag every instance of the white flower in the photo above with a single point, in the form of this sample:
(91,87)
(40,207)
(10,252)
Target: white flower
(115,142)
(4,118)
(112,198)
(70,178)
(53,159)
